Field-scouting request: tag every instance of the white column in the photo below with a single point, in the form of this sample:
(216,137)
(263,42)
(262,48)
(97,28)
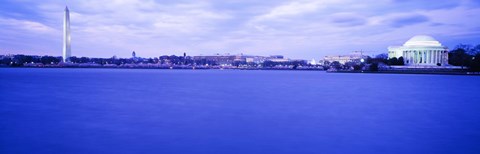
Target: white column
(433,57)
(439,57)
(421,57)
(407,56)
(410,57)
(426,56)
(430,56)
(414,57)
(446,56)
(417,57)
(442,56)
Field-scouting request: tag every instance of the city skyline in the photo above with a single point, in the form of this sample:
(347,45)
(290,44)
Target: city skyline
(297,29)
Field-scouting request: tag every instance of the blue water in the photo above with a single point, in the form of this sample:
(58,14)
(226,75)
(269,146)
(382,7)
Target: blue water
(235,111)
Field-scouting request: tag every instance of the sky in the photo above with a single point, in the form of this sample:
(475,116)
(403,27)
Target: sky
(301,29)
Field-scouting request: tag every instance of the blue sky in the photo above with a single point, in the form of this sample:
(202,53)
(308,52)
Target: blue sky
(297,29)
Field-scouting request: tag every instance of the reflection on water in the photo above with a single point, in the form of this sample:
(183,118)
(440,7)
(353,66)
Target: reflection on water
(233,111)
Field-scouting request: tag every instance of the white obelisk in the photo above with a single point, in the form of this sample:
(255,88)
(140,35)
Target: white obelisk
(66,36)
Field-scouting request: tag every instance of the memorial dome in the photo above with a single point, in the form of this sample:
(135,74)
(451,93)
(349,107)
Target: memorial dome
(423,40)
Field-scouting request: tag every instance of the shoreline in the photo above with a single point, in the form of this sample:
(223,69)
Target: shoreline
(440,72)
(452,72)
(177,68)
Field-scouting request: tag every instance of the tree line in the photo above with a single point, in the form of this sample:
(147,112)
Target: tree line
(465,55)
(21,60)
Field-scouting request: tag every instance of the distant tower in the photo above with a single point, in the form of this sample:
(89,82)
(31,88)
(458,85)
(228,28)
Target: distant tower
(134,55)
(67,51)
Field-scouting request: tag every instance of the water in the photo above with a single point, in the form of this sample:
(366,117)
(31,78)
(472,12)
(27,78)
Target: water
(234,111)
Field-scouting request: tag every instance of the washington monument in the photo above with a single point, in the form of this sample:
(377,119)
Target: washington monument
(67,51)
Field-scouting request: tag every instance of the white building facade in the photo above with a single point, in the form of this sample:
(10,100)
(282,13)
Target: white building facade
(355,56)
(421,50)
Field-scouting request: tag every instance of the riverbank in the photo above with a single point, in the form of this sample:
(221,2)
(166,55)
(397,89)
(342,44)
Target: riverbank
(178,67)
(435,72)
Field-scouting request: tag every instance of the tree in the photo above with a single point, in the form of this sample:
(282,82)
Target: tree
(6,60)
(336,65)
(476,50)
(475,64)
(350,65)
(382,56)
(392,61)
(459,57)
(395,61)
(401,61)
(373,67)
(369,60)
(74,59)
(466,47)
(358,67)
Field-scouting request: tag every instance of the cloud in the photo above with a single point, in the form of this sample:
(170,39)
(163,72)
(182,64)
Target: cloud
(415,4)
(401,21)
(25,25)
(297,29)
(348,19)
(288,10)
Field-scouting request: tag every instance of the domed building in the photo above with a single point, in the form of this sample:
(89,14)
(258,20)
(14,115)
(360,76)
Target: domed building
(421,50)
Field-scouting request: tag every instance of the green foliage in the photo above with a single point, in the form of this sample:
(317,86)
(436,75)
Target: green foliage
(377,59)
(373,67)
(401,61)
(466,56)
(382,56)
(295,64)
(395,61)
(458,57)
(336,65)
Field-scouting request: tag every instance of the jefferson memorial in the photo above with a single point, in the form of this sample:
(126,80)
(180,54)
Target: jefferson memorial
(421,50)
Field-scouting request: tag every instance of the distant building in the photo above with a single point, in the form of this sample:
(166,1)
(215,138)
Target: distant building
(321,62)
(277,58)
(255,59)
(421,50)
(312,62)
(355,56)
(225,59)
(134,55)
